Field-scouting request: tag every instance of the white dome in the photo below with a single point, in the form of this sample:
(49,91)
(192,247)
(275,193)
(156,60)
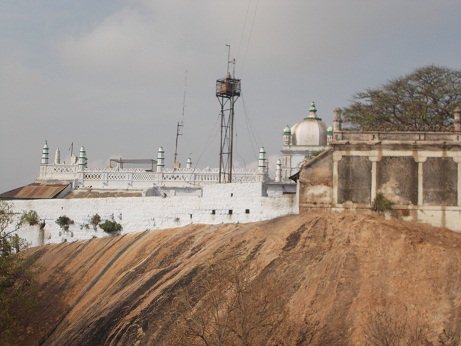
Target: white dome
(311,131)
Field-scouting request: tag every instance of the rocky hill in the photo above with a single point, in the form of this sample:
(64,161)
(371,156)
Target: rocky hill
(319,278)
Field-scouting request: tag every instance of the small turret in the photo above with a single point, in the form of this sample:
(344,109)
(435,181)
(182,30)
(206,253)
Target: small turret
(337,119)
(278,171)
(189,163)
(457,118)
(286,136)
(45,154)
(160,159)
(329,134)
(57,157)
(262,161)
(82,159)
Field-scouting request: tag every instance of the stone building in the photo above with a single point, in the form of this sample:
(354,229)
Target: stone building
(419,172)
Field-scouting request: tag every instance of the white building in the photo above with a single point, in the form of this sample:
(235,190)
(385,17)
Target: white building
(302,141)
(156,196)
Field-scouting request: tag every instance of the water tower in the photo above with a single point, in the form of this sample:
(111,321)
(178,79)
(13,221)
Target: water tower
(227,92)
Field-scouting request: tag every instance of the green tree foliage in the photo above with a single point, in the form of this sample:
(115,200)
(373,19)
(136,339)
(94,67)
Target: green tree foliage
(110,226)
(381,203)
(64,222)
(95,220)
(421,101)
(29,217)
(17,288)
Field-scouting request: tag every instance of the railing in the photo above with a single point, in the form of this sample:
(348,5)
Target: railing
(140,177)
(396,136)
(169,177)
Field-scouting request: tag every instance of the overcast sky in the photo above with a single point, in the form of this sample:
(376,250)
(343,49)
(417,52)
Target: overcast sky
(110,74)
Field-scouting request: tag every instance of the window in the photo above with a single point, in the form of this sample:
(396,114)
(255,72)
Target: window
(247,211)
(230,211)
(213,212)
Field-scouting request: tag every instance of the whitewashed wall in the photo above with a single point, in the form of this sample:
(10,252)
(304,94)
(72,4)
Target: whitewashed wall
(141,213)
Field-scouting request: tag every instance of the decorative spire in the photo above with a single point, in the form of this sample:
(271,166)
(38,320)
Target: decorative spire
(82,159)
(312,112)
(57,157)
(278,171)
(286,138)
(160,159)
(262,161)
(45,152)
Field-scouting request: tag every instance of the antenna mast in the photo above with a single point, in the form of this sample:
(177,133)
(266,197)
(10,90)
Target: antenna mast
(176,164)
(227,91)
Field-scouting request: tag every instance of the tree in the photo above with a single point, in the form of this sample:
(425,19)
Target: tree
(17,288)
(423,100)
(95,220)
(226,306)
(111,227)
(64,222)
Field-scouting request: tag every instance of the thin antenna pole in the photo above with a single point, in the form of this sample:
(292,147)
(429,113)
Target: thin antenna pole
(184,96)
(178,133)
(180,124)
(228,58)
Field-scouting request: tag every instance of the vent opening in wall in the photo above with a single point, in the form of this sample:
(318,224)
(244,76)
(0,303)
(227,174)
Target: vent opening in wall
(213,212)
(230,211)
(247,211)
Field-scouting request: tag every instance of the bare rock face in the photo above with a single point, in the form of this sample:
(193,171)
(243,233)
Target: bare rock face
(320,278)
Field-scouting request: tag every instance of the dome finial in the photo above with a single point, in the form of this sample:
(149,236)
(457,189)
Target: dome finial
(312,112)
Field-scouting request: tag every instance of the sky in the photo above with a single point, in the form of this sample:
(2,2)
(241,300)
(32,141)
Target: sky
(112,74)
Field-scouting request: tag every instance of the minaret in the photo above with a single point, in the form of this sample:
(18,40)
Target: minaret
(45,153)
(278,171)
(189,163)
(82,159)
(262,162)
(57,157)
(286,136)
(160,159)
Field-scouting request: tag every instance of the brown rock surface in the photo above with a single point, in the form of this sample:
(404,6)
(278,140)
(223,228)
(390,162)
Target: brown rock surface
(313,278)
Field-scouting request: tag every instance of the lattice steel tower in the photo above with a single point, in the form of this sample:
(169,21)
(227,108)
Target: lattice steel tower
(227,92)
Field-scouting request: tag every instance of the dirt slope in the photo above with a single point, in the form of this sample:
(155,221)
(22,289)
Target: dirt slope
(314,278)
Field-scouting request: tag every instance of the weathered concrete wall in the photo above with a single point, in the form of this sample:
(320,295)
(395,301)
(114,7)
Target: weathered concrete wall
(422,178)
(316,182)
(354,179)
(232,203)
(440,181)
(397,179)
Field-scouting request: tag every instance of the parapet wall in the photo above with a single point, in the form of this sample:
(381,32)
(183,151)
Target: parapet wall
(140,179)
(231,203)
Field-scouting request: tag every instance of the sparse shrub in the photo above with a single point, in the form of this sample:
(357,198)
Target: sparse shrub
(95,220)
(381,203)
(29,217)
(111,227)
(64,222)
